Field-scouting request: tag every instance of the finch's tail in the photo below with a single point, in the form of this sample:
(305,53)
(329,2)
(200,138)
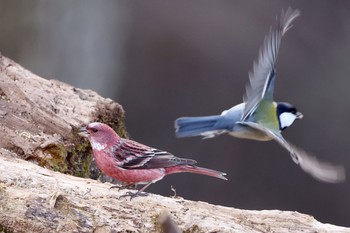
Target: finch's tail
(196,170)
(197,126)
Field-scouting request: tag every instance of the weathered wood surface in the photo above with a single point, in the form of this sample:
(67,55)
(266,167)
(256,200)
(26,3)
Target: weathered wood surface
(35,199)
(38,121)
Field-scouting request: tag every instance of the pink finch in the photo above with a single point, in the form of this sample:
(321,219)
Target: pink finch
(134,163)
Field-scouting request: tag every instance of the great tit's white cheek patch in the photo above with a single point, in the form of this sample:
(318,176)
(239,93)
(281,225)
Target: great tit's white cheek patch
(287,119)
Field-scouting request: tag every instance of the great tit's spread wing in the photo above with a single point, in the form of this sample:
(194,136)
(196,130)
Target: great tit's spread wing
(322,171)
(262,77)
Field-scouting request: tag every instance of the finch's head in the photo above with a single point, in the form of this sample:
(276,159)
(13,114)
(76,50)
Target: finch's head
(99,134)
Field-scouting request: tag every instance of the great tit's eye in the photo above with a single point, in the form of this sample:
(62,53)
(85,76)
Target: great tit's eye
(94,130)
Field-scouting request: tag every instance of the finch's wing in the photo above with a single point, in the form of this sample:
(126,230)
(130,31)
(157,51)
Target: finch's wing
(322,171)
(262,77)
(134,155)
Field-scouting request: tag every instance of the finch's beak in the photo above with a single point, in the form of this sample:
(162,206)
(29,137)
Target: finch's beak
(299,115)
(83,132)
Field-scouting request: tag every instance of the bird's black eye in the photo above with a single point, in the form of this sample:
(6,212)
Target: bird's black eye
(294,110)
(94,130)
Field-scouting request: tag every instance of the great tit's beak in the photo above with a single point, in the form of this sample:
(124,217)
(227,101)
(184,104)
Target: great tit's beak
(299,115)
(83,132)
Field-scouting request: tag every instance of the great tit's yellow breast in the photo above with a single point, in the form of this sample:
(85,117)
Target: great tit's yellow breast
(266,115)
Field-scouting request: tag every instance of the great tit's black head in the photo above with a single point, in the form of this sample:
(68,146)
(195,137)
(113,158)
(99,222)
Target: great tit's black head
(287,114)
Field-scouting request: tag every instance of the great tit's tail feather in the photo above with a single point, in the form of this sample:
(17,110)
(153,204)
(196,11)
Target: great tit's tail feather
(197,126)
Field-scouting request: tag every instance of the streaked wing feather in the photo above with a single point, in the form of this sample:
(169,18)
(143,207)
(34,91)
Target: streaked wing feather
(134,155)
(262,77)
(322,171)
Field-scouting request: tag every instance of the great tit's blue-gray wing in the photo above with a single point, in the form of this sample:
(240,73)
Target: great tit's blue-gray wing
(322,171)
(262,77)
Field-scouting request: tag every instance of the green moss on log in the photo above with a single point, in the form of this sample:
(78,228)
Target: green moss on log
(117,123)
(75,158)
(4,229)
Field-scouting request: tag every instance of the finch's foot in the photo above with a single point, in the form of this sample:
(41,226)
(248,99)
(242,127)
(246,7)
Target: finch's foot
(134,194)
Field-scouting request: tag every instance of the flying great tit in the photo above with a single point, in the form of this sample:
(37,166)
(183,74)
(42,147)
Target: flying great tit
(259,117)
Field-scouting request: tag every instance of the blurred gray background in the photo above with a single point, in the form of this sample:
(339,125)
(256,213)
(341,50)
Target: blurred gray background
(166,59)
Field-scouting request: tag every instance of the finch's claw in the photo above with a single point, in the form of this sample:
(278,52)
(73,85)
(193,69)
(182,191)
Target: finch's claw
(132,195)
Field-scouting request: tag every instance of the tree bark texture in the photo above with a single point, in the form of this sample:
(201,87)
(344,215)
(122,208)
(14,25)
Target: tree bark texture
(35,199)
(39,120)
